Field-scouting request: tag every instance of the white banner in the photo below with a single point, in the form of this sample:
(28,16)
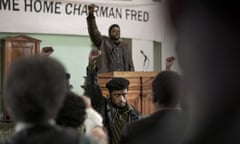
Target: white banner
(137,20)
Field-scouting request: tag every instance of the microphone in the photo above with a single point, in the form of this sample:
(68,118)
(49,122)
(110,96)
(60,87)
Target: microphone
(145,57)
(146,60)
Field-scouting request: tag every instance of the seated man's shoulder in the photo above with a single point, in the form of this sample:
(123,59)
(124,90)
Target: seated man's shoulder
(135,113)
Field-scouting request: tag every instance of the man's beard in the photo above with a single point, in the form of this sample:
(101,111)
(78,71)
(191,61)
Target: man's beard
(120,105)
(115,39)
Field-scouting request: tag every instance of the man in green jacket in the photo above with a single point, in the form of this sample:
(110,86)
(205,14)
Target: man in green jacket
(115,110)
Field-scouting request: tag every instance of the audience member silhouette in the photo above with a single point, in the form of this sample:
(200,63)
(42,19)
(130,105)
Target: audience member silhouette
(34,92)
(167,124)
(73,112)
(208,50)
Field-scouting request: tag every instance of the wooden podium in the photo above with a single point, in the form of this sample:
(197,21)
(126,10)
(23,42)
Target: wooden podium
(140,88)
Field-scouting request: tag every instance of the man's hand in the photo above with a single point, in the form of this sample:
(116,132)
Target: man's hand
(91,8)
(94,54)
(169,62)
(47,51)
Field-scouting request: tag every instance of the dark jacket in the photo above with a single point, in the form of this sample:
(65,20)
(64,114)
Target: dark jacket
(103,105)
(106,45)
(164,127)
(47,134)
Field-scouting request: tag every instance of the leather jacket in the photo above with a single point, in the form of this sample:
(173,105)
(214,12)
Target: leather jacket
(106,45)
(104,105)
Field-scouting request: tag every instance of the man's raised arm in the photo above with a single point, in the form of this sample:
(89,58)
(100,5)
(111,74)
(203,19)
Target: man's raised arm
(93,31)
(93,90)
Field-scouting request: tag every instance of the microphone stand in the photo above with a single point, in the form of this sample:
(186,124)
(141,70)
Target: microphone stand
(146,61)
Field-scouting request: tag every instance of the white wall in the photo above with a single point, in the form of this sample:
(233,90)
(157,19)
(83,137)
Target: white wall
(168,38)
(138,58)
(73,50)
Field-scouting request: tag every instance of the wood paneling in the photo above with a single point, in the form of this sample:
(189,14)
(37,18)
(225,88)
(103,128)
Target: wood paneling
(13,49)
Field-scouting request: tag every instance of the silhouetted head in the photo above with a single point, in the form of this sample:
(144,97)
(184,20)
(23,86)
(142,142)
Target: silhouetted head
(166,89)
(73,112)
(35,89)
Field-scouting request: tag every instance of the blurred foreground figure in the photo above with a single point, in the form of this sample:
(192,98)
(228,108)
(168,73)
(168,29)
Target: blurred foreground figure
(73,111)
(208,49)
(167,124)
(34,92)
(94,123)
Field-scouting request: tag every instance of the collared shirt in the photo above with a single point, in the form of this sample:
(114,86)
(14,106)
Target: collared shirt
(117,57)
(119,122)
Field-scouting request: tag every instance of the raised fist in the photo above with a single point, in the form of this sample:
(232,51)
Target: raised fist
(47,51)
(94,54)
(91,8)
(169,62)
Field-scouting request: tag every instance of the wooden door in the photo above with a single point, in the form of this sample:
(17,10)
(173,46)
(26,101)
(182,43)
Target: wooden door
(13,49)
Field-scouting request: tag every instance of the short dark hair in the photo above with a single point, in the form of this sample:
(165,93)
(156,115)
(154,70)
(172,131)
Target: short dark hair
(34,89)
(73,112)
(117,83)
(111,27)
(165,87)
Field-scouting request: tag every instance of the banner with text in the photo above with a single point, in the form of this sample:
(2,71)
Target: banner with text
(137,20)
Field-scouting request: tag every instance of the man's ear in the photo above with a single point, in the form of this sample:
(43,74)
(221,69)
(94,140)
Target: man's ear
(109,95)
